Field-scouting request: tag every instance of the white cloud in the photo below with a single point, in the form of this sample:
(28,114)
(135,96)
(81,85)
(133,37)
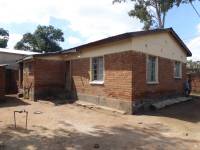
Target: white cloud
(13,39)
(93,19)
(198,28)
(194,45)
(74,40)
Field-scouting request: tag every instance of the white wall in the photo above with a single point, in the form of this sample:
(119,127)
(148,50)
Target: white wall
(162,44)
(7,58)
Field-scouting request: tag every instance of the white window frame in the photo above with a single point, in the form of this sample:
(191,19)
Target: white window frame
(91,72)
(156,70)
(180,70)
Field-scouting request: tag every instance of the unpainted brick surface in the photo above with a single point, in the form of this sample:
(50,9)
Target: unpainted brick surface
(2,81)
(125,77)
(167,86)
(49,73)
(45,75)
(195,78)
(118,77)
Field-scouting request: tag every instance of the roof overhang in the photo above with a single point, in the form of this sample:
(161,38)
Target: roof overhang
(180,42)
(49,56)
(58,55)
(3,65)
(136,34)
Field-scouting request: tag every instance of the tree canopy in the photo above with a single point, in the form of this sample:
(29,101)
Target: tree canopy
(44,39)
(4,37)
(152,13)
(193,66)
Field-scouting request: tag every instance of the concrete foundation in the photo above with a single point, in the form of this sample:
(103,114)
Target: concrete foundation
(145,103)
(108,102)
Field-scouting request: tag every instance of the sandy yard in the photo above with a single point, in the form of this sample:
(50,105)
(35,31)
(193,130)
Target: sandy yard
(72,127)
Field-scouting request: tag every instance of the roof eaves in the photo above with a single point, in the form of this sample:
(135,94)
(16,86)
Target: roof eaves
(71,50)
(173,33)
(25,58)
(141,33)
(3,65)
(119,37)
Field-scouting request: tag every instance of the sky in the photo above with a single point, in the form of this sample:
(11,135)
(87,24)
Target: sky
(83,21)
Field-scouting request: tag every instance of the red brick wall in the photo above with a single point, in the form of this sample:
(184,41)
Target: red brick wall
(125,78)
(118,77)
(2,81)
(168,85)
(195,78)
(49,75)
(43,77)
(28,79)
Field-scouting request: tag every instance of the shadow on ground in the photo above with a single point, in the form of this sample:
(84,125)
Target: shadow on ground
(187,111)
(56,101)
(11,101)
(101,138)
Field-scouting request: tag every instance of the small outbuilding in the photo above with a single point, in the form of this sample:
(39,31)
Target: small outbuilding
(125,72)
(8,59)
(40,78)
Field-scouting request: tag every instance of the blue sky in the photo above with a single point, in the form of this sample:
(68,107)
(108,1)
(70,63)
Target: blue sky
(89,20)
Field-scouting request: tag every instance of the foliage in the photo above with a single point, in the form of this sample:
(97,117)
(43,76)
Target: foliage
(4,36)
(193,66)
(152,13)
(44,39)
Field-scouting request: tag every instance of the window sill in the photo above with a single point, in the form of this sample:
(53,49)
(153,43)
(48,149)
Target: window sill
(156,82)
(178,78)
(97,82)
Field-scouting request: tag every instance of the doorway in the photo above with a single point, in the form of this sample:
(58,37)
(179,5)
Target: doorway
(11,79)
(68,76)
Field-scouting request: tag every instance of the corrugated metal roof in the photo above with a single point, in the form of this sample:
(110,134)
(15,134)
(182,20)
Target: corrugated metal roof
(19,52)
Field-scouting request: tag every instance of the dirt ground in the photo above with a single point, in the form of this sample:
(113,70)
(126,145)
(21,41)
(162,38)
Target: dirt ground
(72,127)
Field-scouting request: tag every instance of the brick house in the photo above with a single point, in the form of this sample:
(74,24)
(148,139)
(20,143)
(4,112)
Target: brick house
(39,78)
(124,71)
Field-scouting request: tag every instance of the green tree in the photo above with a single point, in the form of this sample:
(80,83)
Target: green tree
(193,66)
(44,39)
(152,13)
(4,36)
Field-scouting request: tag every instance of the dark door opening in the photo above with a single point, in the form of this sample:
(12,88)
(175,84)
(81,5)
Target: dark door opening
(68,76)
(11,78)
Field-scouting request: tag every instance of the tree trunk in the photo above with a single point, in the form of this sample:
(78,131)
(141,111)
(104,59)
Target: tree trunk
(163,21)
(158,12)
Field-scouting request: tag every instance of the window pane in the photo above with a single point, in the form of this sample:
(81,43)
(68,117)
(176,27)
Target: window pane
(177,69)
(151,70)
(100,77)
(95,74)
(97,68)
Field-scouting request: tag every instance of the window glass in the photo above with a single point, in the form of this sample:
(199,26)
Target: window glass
(152,69)
(97,69)
(177,70)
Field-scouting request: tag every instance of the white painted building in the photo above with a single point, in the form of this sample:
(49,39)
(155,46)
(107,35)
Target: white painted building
(10,56)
